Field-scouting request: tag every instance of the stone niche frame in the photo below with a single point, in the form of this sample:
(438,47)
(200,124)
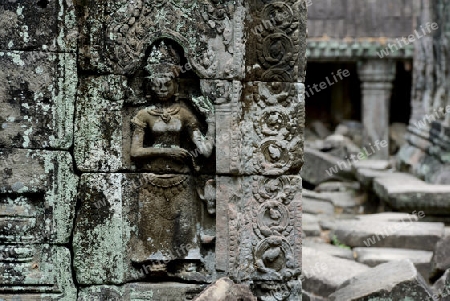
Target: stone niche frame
(249,57)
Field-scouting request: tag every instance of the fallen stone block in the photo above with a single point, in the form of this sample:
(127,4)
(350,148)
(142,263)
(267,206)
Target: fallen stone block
(323,273)
(320,167)
(397,133)
(447,231)
(307,296)
(376,256)
(329,222)
(310,225)
(337,186)
(329,249)
(314,203)
(225,290)
(352,129)
(441,258)
(405,194)
(372,164)
(406,235)
(320,129)
(342,147)
(441,288)
(366,176)
(388,217)
(395,280)
(346,201)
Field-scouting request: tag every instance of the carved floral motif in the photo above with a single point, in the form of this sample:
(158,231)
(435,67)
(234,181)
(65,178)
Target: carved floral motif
(133,26)
(277,117)
(276,39)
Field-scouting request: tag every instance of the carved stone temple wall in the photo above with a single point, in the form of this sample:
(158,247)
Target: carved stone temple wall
(427,152)
(150,148)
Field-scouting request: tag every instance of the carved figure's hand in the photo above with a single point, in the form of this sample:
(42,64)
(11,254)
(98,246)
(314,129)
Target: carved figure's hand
(179,153)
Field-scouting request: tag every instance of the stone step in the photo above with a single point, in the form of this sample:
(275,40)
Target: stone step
(322,274)
(407,235)
(405,194)
(394,280)
(375,256)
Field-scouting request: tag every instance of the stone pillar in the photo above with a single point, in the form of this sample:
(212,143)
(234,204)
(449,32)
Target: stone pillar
(243,77)
(428,142)
(376,84)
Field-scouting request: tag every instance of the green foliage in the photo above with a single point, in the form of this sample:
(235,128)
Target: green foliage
(365,155)
(335,241)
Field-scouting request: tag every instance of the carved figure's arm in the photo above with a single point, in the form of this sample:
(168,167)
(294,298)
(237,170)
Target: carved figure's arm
(205,143)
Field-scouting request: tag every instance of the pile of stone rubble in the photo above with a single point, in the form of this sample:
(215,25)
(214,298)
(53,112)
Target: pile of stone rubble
(370,232)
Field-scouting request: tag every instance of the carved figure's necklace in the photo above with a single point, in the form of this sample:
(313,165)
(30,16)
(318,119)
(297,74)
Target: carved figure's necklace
(165,114)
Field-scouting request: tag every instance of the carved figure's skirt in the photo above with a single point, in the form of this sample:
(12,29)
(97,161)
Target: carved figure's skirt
(168,209)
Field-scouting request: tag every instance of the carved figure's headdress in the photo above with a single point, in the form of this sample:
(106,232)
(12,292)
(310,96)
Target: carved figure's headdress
(163,58)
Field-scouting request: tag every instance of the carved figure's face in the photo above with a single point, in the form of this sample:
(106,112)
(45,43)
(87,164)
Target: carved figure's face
(164,86)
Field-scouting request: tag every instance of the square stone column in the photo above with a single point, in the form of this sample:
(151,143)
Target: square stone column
(241,204)
(376,84)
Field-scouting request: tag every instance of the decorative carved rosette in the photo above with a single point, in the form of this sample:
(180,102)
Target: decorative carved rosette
(272,122)
(277,40)
(273,156)
(273,223)
(275,49)
(272,255)
(276,222)
(277,117)
(274,94)
(281,15)
(281,189)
